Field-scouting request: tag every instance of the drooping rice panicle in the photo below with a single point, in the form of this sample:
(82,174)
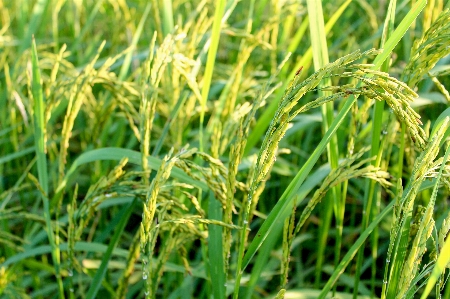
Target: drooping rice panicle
(428,50)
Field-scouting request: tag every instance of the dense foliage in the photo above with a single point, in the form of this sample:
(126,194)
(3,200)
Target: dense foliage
(218,149)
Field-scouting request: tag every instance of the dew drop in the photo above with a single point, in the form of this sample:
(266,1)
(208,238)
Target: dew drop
(384,132)
(388,261)
(146,293)
(385,281)
(144,276)
(70,272)
(71,290)
(245,222)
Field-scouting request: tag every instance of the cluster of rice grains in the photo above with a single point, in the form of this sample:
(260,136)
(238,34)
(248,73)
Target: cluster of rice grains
(407,245)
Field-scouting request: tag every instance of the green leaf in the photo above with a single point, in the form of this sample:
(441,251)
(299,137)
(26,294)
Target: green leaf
(39,140)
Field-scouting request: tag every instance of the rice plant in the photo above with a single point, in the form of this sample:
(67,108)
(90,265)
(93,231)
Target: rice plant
(224,149)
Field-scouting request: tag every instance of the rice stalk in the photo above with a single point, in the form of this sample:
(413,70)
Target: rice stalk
(148,230)
(96,194)
(181,226)
(287,111)
(75,101)
(235,157)
(112,122)
(212,51)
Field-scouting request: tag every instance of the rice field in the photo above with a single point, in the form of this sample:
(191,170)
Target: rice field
(224,149)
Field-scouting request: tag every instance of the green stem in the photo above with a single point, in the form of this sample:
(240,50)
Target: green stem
(220,8)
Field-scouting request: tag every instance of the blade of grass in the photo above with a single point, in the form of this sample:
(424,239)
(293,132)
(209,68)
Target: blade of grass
(56,9)
(128,57)
(10,157)
(262,5)
(282,208)
(46,249)
(97,281)
(287,27)
(220,8)
(402,150)
(39,139)
(167,17)
(295,41)
(39,9)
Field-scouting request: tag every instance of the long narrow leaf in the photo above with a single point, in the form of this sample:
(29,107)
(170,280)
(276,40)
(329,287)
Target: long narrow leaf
(39,9)
(128,57)
(220,8)
(39,139)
